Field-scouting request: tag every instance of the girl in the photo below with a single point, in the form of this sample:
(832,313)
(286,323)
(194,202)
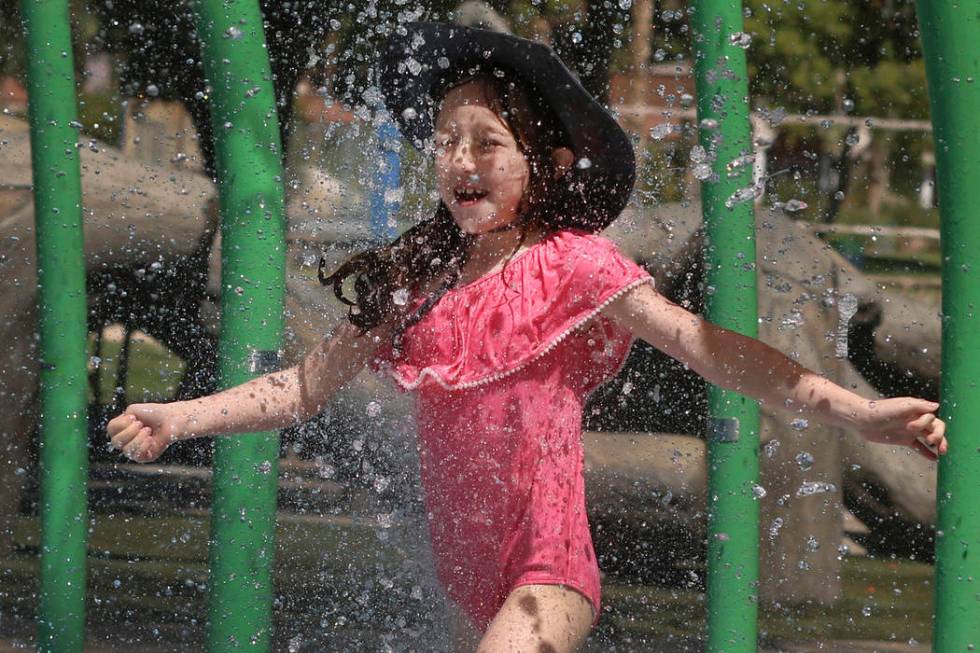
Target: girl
(503,312)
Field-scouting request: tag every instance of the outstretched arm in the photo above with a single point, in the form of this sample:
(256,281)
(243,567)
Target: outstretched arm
(272,401)
(752,368)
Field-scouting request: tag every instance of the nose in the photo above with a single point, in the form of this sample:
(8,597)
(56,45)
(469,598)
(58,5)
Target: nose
(462,156)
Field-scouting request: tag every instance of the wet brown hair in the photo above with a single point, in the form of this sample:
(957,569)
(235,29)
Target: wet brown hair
(436,248)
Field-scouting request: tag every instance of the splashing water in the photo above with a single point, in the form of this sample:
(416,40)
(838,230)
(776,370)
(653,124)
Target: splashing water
(742,195)
(741,40)
(810,488)
(771,448)
(847,306)
(792,206)
(661,131)
(735,165)
(805,460)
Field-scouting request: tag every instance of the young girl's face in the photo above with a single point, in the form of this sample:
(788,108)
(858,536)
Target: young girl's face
(481,172)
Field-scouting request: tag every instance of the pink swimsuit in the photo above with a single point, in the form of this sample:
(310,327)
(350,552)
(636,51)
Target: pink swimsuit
(502,367)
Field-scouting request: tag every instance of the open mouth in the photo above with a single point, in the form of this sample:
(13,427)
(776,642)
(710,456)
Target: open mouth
(468,196)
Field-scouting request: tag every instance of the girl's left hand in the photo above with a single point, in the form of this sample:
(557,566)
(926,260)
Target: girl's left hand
(906,421)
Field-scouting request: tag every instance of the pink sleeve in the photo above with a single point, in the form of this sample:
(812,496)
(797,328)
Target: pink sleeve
(596,273)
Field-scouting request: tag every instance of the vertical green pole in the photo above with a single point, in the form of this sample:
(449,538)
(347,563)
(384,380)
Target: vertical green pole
(951,43)
(733,439)
(61,325)
(249,171)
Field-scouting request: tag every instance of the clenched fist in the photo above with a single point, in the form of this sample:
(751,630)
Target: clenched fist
(906,421)
(145,431)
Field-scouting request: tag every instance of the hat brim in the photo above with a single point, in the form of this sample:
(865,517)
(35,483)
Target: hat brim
(414,67)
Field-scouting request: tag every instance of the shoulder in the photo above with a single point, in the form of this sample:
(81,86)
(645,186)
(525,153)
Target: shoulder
(574,243)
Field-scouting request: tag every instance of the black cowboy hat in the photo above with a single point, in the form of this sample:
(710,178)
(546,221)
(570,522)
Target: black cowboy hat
(419,59)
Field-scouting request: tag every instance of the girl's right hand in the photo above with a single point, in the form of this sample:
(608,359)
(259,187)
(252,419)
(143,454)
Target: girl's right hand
(145,431)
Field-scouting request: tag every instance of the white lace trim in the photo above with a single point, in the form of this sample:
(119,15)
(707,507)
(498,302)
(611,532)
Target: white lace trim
(429,372)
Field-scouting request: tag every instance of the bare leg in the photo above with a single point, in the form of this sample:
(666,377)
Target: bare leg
(539,619)
(463,635)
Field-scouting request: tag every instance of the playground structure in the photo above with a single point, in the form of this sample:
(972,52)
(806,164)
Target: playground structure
(732,551)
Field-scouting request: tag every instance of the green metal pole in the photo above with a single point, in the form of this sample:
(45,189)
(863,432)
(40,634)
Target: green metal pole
(951,43)
(249,171)
(61,325)
(733,439)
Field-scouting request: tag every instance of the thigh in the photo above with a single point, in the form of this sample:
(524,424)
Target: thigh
(539,619)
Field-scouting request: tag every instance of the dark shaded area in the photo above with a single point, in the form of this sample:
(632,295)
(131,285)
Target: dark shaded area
(664,395)
(889,378)
(890,534)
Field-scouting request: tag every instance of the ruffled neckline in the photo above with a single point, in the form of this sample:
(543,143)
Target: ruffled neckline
(498,324)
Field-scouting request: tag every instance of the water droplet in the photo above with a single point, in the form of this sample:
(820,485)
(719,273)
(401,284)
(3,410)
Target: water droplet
(659,55)
(414,67)
(799,424)
(233,32)
(373,409)
(701,171)
(839,195)
(442,62)
(152,90)
(584,163)
(400,297)
(847,305)
(708,123)
(812,544)
(264,467)
(742,195)
(777,524)
(758,491)
(409,114)
(770,448)
(625,4)
(805,460)
(848,104)
(741,40)
(576,37)
(792,206)
(810,488)
(744,161)
(136,28)
(661,131)
(792,320)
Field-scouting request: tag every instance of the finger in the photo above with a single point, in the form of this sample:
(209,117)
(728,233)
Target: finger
(921,423)
(124,437)
(924,405)
(937,436)
(135,448)
(924,450)
(118,423)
